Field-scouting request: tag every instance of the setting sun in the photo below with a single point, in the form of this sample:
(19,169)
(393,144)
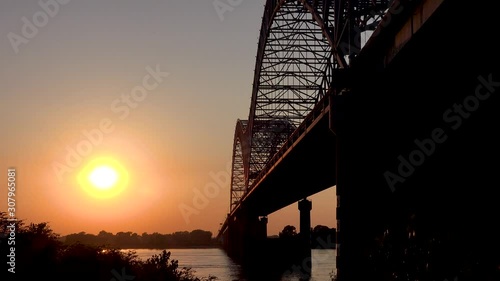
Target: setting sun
(103,178)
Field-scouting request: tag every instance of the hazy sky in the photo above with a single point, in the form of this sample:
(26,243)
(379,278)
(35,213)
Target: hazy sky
(156,86)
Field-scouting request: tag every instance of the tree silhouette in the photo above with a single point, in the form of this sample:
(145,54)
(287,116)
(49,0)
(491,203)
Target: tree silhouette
(39,253)
(323,237)
(288,232)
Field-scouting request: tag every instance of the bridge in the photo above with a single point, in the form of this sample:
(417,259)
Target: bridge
(389,101)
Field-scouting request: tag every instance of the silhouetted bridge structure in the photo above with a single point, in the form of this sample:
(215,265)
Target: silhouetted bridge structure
(392,103)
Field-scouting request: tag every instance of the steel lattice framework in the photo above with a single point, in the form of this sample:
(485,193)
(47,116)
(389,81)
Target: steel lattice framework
(301,43)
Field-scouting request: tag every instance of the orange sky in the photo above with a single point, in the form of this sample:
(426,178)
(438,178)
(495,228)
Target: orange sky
(92,82)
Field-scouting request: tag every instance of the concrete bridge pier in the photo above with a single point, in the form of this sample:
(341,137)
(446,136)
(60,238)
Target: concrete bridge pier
(362,198)
(262,228)
(305,207)
(245,236)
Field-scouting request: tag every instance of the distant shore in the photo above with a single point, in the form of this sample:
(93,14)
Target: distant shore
(167,248)
(197,238)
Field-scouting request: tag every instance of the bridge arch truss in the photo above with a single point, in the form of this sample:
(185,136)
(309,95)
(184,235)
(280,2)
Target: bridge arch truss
(301,43)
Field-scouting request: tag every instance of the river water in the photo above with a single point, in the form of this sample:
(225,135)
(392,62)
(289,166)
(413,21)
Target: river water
(215,262)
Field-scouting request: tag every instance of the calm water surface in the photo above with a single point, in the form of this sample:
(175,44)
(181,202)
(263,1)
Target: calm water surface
(215,262)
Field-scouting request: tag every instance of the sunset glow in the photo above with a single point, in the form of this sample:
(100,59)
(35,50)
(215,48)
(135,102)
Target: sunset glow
(103,178)
(115,144)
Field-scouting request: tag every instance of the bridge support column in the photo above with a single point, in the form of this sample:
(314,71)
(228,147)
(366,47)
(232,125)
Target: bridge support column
(231,239)
(363,197)
(358,197)
(305,207)
(246,236)
(262,234)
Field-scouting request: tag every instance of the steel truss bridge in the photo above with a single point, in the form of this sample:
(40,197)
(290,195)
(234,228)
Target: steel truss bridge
(301,45)
(325,74)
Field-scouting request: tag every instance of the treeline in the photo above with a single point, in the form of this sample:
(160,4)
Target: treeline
(129,240)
